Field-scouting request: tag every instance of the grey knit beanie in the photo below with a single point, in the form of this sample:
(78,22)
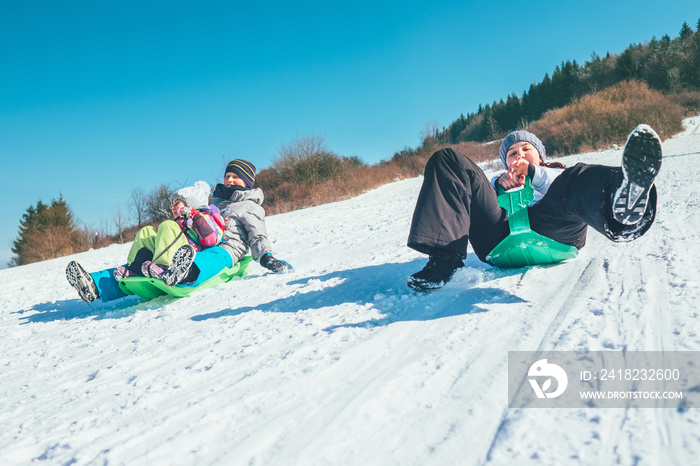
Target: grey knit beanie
(521,136)
(196,196)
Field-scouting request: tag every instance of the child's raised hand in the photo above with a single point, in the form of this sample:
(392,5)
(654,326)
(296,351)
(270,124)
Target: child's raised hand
(519,170)
(515,176)
(190,212)
(185,211)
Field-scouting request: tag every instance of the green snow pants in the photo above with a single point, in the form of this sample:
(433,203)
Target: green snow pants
(162,243)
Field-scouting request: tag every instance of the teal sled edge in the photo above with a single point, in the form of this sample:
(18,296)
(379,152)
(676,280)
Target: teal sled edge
(529,248)
(524,247)
(149,288)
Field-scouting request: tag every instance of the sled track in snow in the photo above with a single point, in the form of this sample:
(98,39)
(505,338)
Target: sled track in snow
(559,299)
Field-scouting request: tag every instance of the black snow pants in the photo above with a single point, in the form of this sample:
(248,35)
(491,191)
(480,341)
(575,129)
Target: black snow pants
(457,204)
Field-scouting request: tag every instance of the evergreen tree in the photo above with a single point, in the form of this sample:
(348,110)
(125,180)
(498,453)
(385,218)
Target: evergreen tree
(498,114)
(694,61)
(686,32)
(593,74)
(512,114)
(534,107)
(45,232)
(545,92)
(656,69)
(456,129)
(689,65)
(525,108)
(489,126)
(558,97)
(628,64)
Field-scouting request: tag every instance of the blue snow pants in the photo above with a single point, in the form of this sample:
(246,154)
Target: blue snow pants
(210,262)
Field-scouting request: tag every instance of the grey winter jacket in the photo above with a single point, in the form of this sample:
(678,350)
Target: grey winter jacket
(245,224)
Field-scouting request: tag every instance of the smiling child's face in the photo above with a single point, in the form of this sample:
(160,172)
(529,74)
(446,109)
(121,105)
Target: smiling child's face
(231,179)
(523,150)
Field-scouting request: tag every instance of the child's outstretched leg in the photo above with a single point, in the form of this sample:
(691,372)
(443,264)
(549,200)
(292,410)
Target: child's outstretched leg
(168,240)
(82,281)
(141,250)
(641,160)
(153,250)
(101,285)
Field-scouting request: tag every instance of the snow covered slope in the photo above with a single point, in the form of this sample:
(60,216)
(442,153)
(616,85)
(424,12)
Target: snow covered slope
(339,362)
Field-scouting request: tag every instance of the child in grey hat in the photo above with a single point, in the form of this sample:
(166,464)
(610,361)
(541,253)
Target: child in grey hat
(457,205)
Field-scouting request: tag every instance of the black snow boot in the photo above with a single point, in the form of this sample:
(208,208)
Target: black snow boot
(274,265)
(438,271)
(641,160)
(82,281)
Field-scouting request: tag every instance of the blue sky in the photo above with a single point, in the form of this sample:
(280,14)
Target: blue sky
(100,97)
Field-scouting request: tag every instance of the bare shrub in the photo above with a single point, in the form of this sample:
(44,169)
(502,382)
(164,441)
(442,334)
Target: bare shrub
(282,195)
(268,179)
(138,205)
(599,120)
(689,100)
(429,135)
(478,152)
(119,221)
(307,160)
(306,173)
(158,203)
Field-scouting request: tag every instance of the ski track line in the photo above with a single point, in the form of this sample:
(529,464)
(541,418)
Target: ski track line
(638,323)
(554,303)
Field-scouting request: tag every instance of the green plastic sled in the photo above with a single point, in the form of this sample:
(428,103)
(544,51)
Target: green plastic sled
(523,247)
(149,288)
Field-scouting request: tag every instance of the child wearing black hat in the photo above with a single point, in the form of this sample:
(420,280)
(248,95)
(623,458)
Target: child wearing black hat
(240,205)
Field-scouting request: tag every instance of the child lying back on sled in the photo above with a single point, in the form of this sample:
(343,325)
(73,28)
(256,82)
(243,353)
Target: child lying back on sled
(458,206)
(240,205)
(195,224)
(179,252)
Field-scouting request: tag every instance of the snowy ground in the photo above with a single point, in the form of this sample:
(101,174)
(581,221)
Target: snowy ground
(339,363)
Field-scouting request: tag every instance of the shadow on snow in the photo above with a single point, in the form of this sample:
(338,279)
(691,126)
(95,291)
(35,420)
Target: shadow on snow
(69,309)
(384,288)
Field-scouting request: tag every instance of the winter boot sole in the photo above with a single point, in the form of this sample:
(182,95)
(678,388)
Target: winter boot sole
(180,267)
(641,161)
(82,281)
